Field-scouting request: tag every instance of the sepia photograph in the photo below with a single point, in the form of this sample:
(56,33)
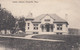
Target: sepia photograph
(39,25)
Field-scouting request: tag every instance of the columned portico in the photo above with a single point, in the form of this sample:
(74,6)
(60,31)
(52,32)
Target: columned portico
(47,27)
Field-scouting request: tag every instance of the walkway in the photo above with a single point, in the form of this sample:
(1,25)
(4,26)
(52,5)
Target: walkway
(30,36)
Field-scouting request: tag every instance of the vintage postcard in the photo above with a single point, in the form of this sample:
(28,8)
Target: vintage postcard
(39,25)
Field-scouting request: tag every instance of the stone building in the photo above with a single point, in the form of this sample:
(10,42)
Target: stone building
(46,24)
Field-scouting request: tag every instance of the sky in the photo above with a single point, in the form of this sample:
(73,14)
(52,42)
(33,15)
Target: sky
(59,7)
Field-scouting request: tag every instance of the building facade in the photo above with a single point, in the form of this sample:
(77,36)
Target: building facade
(46,24)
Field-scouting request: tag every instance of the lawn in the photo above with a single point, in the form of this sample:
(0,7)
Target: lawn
(27,44)
(71,39)
(16,35)
(56,37)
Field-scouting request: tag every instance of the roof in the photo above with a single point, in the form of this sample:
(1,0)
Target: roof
(29,16)
(55,17)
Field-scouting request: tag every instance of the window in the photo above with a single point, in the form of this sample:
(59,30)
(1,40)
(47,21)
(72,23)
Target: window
(28,27)
(47,19)
(59,33)
(59,26)
(28,24)
(35,26)
(35,32)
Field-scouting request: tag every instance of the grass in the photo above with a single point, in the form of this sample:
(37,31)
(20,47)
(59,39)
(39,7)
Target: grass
(23,44)
(16,35)
(52,36)
(68,38)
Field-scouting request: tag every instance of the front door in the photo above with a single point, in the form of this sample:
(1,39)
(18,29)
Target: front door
(47,27)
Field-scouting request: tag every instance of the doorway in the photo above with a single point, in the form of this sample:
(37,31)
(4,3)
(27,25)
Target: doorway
(47,27)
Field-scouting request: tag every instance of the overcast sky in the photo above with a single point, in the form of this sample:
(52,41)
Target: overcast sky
(59,7)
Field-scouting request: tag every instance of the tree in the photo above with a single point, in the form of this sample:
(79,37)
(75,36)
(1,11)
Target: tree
(7,21)
(22,24)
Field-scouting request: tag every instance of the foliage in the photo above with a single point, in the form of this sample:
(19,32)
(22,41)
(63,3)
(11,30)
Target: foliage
(7,21)
(22,24)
